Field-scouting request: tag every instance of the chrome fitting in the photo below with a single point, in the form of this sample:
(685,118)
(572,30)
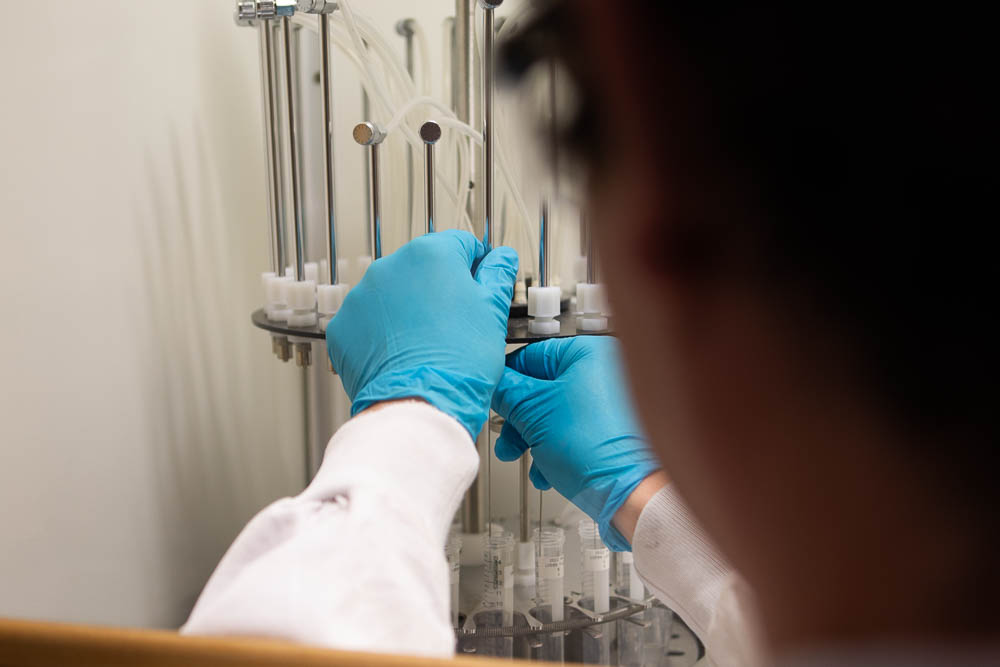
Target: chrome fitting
(430,132)
(303,355)
(281,8)
(281,348)
(490,4)
(404,27)
(316,6)
(246,13)
(368,133)
(266,9)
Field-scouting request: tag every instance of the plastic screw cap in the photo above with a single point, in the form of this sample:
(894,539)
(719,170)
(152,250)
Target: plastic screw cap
(543,306)
(591,303)
(312,271)
(274,290)
(544,301)
(301,298)
(330,298)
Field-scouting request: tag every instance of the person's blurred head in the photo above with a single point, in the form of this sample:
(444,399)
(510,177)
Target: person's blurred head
(793,215)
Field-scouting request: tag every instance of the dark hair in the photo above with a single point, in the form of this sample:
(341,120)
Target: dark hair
(859,147)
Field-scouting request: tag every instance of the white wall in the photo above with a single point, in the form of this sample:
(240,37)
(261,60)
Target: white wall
(142,420)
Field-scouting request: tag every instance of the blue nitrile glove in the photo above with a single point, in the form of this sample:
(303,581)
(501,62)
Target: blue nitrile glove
(428,321)
(566,399)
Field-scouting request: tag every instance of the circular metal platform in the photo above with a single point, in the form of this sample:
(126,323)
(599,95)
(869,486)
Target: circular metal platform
(517,328)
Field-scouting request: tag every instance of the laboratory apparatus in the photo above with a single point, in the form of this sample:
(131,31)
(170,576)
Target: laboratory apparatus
(368,142)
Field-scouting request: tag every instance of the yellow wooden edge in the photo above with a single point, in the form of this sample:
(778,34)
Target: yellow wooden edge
(43,644)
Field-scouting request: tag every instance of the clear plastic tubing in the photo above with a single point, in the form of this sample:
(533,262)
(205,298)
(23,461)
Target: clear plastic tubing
(550,561)
(453,552)
(596,567)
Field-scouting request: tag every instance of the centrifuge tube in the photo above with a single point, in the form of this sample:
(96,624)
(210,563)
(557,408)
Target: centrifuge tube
(453,552)
(628,582)
(596,568)
(631,631)
(550,563)
(498,593)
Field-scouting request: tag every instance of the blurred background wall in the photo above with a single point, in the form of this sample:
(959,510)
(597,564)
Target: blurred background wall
(143,420)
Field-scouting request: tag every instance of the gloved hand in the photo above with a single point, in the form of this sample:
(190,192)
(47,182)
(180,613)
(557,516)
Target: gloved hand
(566,400)
(419,325)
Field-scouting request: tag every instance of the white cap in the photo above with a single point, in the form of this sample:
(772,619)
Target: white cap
(590,299)
(274,291)
(580,268)
(591,323)
(301,295)
(311,270)
(544,301)
(520,292)
(331,297)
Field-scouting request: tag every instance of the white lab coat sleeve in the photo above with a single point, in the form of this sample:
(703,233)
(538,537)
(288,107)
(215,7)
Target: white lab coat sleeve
(675,559)
(356,561)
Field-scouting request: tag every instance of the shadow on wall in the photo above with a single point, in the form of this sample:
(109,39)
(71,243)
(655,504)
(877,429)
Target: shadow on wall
(227,435)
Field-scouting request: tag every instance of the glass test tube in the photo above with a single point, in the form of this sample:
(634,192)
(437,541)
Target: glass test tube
(453,552)
(498,593)
(596,568)
(550,564)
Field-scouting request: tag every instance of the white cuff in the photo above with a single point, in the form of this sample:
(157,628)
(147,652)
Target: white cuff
(674,556)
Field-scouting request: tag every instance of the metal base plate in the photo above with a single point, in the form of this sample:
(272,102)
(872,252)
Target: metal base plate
(517,328)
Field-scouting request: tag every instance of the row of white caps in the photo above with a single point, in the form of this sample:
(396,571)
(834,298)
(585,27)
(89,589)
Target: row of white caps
(544,307)
(305,302)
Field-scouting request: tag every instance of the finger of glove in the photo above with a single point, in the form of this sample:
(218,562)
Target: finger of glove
(540,360)
(468,247)
(538,479)
(510,445)
(514,397)
(497,272)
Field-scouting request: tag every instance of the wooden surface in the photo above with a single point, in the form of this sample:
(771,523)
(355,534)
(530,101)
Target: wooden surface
(38,644)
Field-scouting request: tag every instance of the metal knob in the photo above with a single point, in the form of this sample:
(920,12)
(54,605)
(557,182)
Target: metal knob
(368,134)
(430,132)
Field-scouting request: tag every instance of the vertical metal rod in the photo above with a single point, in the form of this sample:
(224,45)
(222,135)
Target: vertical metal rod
(461,101)
(366,112)
(328,162)
(404,27)
(294,158)
(271,148)
(278,114)
(430,132)
(462,60)
(376,196)
(488,130)
(370,135)
(525,523)
(588,234)
(543,244)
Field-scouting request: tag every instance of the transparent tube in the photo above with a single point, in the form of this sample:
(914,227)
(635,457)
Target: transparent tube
(628,583)
(498,593)
(632,637)
(453,552)
(550,567)
(596,569)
